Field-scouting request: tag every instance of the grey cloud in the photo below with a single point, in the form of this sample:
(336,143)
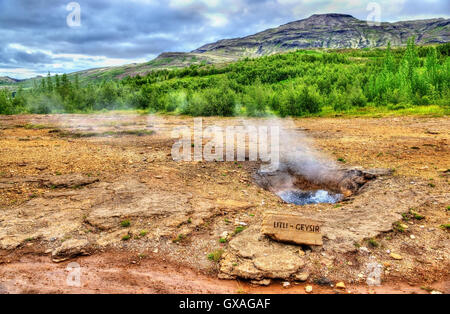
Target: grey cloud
(138,29)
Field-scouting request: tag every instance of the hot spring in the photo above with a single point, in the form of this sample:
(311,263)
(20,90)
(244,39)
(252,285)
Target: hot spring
(299,197)
(329,187)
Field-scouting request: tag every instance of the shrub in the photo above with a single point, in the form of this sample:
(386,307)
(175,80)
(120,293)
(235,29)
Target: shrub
(216,255)
(125,224)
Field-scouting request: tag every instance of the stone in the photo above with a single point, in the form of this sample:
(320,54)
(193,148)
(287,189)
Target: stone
(251,257)
(70,249)
(403,226)
(67,181)
(308,289)
(301,277)
(264,282)
(396,256)
(340,285)
(292,228)
(286,284)
(363,249)
(323,281)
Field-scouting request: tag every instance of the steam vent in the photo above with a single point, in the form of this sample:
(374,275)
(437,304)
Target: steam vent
(328,186)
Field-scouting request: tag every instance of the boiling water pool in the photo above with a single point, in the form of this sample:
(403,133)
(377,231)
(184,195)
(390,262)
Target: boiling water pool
(299,197)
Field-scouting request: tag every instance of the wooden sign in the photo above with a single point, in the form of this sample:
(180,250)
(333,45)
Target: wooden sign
(292,228)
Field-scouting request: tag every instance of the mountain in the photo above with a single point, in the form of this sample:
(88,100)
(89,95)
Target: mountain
(331,31)
(318,31)
(6,80)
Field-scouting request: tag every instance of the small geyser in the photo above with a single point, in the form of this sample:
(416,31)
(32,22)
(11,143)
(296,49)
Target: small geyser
(299,197)
(329,187)
(307,176)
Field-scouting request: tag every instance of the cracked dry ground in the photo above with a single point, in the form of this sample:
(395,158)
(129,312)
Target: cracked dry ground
(106,186)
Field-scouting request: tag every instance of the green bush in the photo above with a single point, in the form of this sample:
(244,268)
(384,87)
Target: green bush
(5,102)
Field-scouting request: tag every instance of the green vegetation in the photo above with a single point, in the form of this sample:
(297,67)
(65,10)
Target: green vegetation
(179,238)
(143,233)
(399,228)
(373,243)
(412,215)
(216,255)
(125,224)
(411,80)
(239,229)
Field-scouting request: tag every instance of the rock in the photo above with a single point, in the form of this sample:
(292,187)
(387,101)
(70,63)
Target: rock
(403,226)
(436,292)
(264,282)
(251,257)
(301,277)
(67,181)
(413,237)
(308,289)
(340,285)
(70,249)
(3,289)
(363,249)
(292,228)
(397,257)
(286,284)
(323,281)
(348,32)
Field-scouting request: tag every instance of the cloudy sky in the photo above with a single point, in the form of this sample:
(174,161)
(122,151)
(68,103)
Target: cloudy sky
(35,36)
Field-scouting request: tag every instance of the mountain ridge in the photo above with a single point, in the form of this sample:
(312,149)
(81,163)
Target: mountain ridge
(319,31)
(332,30)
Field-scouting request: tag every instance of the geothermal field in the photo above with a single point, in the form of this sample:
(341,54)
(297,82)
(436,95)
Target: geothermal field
(103,192)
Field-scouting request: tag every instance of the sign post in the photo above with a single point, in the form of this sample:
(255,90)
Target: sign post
(292,228)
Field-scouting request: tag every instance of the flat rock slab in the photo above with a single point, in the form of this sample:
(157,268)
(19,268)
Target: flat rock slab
(253,256)
(292,228)
(95,213)
(70,249)
(68,181)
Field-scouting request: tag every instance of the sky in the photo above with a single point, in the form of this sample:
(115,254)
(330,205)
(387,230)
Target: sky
(60,36)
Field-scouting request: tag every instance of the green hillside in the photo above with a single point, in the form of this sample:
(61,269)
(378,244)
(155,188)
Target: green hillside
(305,82)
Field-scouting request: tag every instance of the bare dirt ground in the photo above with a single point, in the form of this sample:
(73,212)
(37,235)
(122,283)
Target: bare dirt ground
(107,186)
